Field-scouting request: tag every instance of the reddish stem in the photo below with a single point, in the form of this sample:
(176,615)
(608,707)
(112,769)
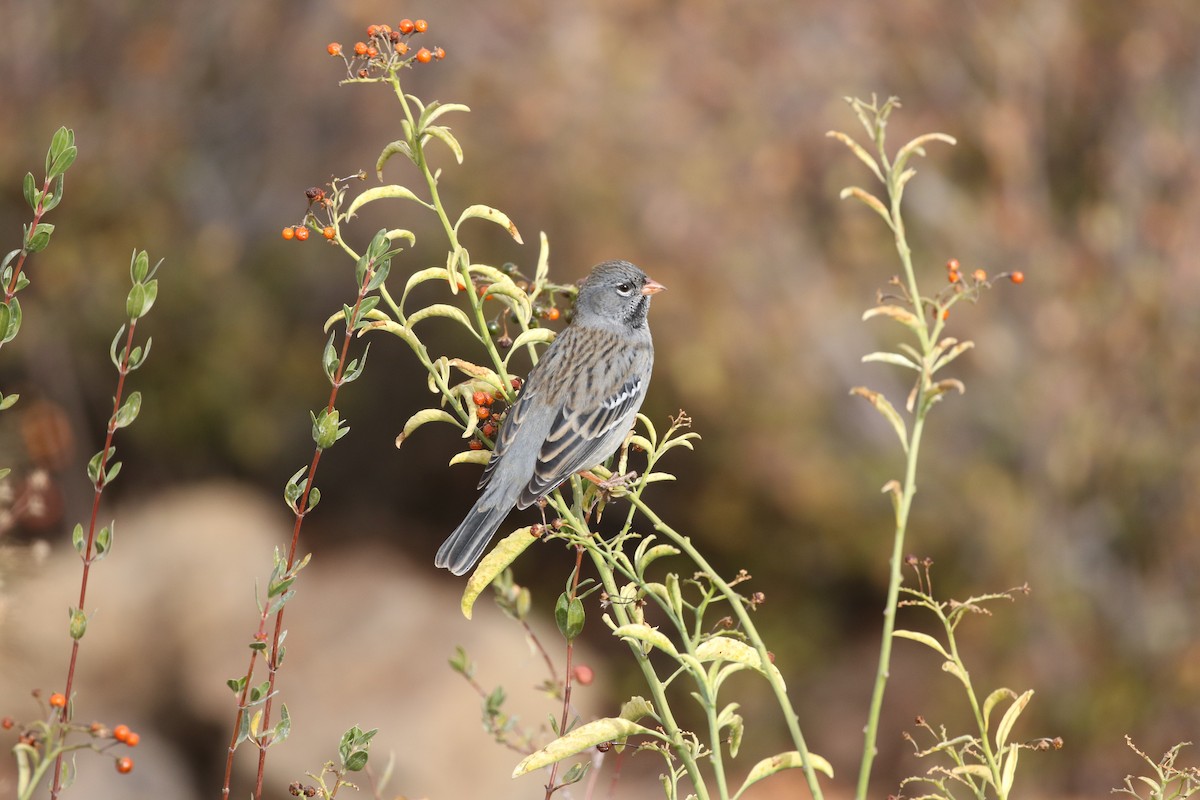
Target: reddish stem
(264,738)
(88,555)
(567,683)
(11,289)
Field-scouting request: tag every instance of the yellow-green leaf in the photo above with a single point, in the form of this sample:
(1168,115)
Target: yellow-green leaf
(884,407)
(489,213)
(651,637)
(789,760)
(727,649)
(609,729)
(393,191)
(1010,718)
(992,701)
(501,556)
(924,639)
(901,315)
(471,457)
(420,418)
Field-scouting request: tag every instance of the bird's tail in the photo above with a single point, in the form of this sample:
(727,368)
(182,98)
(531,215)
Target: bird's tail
(465,546)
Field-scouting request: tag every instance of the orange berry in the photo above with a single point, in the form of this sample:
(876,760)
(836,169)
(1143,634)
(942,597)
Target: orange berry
(945,314)
(384,29)
(372,30)
(333,48)
(584,675)
(475,444)
(7,723)
(402,48)
(488,430)
(329,232)
(121,732)
(424,56)
(481,398)
(124,765)
(439,53)
(953,276)
(302,232)
(405,26)
(952,265)
(57,700)
(420,26)
(482,412)
(360,48)
(372,52)
(553,314)
(289,233)
(362,73)
(979,275)
(1017,277)
(132,739)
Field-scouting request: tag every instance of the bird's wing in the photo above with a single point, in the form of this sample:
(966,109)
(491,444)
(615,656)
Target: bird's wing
(582,438)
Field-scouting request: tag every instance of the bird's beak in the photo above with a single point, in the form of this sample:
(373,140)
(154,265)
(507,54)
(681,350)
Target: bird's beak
(652,287)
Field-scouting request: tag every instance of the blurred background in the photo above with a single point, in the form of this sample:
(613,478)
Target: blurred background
(688,137)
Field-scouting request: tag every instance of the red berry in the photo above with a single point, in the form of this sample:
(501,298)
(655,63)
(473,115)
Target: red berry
(516,384)
(475,444)
(1017,277)
(421,26)
(7,723)
(329,232)
(121,732)
(424,56)
(406,26)
(488,430)
(132,739)
(362,73)
(439,53)
(124,765)
(57,700)
(289,233)
(584,675)
(333,48)
(360,48)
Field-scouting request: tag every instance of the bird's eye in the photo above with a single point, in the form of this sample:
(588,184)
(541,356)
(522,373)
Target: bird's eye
(624,288)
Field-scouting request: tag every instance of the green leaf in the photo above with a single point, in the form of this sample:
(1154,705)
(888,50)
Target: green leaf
(869,200)
(37,238)
(53,197)
(635,708)
(283,728)
(924,639)
(7,401)
(471,457)
(62,162)
(1008,771)
(492,214)
(104,539)
(32,195)
(93,468)
(441,310)
(435,110)
(644,559)
(14,320)
(392,192)
(495,562)
(609,729)
(78,624)
(236,684)
(570,616)
(917,147)
(128,411)
(139,266)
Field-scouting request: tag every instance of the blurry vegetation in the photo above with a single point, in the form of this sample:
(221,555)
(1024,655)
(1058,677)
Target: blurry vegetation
(689,138)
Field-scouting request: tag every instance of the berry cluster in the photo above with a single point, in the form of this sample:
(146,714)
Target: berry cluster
(545,307)
(386,50)
(489,415)
(321,215)
(36,735)
(954,275)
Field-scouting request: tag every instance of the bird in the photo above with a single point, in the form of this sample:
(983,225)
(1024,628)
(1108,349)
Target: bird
(575,408)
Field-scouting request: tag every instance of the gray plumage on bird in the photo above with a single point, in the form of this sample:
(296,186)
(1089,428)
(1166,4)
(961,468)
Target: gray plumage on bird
(576,408)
